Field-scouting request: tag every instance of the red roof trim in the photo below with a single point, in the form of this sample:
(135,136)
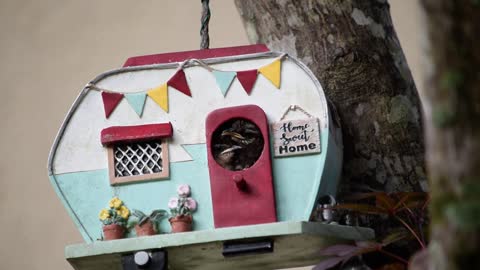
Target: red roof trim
(128,134)
(199,54)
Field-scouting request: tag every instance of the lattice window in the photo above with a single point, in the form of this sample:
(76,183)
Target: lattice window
(137,153)
(139,161)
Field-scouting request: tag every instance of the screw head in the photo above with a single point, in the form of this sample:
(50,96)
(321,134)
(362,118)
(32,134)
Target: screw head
(141,258)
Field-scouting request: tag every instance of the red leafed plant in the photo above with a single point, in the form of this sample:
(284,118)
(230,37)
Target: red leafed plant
(408,209)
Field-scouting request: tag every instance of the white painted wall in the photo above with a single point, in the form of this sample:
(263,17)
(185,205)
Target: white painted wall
(80,148)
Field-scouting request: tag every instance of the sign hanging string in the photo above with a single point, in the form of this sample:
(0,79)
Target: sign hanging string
(294,108)
(205,39)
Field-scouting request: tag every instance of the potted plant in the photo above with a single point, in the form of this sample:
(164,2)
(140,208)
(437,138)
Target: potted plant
(181,209)
(114,219)
(147,225)
(395,245)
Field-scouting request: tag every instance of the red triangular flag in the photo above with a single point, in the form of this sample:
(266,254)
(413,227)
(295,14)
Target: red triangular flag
(179,82)
(110,102)
(247,78)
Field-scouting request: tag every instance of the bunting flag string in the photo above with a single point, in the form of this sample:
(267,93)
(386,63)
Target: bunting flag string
(178,81)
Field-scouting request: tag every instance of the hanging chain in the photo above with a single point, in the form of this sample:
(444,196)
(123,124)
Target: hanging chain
(205,39)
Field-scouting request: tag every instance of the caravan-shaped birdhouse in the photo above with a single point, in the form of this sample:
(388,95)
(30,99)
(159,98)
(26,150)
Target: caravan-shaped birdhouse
(247,129)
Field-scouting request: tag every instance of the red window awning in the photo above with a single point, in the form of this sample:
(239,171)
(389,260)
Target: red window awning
(129,134)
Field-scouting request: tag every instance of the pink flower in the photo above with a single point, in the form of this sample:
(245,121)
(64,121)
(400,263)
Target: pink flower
(183,190)
(173,203)
(191,204)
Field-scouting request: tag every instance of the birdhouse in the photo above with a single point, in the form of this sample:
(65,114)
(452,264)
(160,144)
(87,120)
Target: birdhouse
(248,131)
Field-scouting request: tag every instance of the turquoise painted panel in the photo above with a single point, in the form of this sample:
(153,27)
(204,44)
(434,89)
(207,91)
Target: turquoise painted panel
(88,192)
(71,204)
(137,101)
(296,180)
(334,163)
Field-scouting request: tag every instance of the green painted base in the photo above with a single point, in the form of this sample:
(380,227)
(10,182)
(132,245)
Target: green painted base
(295,244)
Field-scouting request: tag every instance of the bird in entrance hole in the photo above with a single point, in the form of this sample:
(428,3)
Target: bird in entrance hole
(226,158)
(241,132)
(241,142)
(237,137)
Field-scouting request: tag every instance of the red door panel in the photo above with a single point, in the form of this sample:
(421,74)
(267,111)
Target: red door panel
(241,183)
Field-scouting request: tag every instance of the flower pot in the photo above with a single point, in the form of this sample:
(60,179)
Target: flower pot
(113,231)
(181,223)
(146,228)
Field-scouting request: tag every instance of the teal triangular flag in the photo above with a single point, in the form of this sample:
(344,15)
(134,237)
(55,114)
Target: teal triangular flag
(137,101)
(224,79)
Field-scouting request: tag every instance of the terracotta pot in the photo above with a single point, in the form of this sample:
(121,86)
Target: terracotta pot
(181,223)
(147,228)
(113,231)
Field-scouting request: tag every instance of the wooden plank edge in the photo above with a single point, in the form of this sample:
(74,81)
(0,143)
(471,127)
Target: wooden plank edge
(98,248)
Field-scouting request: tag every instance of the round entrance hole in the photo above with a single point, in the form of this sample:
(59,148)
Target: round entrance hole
(237,144)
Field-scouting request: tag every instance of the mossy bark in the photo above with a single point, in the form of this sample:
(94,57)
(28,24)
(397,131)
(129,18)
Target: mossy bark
(452,113)
(352,48)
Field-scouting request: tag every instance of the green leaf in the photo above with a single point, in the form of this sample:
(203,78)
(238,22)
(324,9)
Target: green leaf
(138,214)
(158,212)
(131,224)
(143,220)
(107,221)
(157,215)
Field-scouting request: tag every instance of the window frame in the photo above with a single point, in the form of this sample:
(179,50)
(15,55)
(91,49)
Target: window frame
(117,180)
(114,136)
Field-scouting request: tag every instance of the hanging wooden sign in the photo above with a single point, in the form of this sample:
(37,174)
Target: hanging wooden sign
(296,137)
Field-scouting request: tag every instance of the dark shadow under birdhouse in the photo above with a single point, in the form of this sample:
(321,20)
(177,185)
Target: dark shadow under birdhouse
(237,144)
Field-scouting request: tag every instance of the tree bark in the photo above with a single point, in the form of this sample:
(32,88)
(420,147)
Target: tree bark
(352,48)
(452,113)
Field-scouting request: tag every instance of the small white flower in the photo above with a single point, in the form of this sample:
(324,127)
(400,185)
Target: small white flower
(183,190)
(173,203)
(191,204)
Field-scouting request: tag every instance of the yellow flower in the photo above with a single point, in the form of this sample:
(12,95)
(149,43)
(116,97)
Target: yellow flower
(115,202)
(123,212)
(104,214)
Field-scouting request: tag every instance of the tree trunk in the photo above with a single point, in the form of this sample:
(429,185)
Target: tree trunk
(452,113)
(352,48)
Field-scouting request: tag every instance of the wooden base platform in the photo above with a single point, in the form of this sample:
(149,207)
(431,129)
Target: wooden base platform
(295,244)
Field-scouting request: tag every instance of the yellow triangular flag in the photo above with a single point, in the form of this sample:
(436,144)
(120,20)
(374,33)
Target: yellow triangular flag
(272,72)
(160,96)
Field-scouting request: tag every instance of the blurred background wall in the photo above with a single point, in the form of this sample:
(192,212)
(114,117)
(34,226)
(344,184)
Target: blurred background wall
(48,51)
